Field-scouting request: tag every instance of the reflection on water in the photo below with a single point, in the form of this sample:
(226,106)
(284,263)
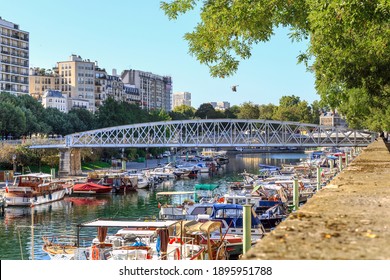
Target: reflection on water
(62,217)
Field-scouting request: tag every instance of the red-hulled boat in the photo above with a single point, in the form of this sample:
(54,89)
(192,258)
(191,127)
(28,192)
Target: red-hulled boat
(91,188)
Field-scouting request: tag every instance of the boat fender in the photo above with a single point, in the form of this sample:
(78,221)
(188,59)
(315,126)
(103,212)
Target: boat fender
(95,253)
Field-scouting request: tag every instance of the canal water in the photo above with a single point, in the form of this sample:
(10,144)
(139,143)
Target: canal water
(61,217)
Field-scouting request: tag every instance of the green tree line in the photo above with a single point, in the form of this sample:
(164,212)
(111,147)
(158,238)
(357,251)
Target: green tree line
(24,116)
(291,108)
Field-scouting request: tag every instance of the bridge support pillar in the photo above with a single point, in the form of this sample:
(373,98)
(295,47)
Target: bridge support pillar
(70,162)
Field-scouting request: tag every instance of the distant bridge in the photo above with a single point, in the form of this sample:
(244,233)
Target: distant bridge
(209,133)
(204,133)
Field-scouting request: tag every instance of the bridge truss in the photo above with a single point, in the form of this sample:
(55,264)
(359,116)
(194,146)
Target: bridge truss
(216,133)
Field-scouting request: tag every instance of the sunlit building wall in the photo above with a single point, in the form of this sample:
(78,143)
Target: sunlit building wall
(181,98)
(14,58)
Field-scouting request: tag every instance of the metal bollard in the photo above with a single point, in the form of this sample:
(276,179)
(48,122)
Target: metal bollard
(318,178)
(247,242)
(296,194)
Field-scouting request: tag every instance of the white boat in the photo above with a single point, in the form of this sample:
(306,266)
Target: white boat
(162,173)
(142,181)
(34,189)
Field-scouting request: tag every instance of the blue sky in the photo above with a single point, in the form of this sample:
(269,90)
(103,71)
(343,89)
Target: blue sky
(136,34)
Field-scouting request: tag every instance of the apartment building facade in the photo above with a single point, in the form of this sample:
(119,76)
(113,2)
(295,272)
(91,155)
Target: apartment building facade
(332,118)
(41,80)
(220,105)
(112,86)
(14,58)
(87,86)
(155,91)
(55,99)
(77,79)
(100,86)
(181,98)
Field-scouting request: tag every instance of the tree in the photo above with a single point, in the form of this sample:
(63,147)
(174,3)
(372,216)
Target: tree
(316,110)
(158,115)
(182,112)
(349,46)
(81,119)
(12,121)
(229,113)
(6,97)
(291,108)
(289,101)
(30,103)
(207,111)
(235,109)
(57,122)
(111,113)
(115,113)
(248,110)
(267,112)
(355,107)
(33,125)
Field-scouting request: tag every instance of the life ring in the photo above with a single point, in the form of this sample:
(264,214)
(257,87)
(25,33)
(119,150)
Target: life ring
(176,254)
(221,200)
(95,253)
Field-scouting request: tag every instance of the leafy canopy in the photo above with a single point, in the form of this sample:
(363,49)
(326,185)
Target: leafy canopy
(349,49)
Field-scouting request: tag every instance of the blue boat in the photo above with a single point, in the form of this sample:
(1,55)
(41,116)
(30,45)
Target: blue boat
(231,216)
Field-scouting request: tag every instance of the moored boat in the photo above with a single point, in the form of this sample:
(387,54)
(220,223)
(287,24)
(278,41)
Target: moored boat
(59,248)
(35,189)
(119,181)
(91,188)
(144,240)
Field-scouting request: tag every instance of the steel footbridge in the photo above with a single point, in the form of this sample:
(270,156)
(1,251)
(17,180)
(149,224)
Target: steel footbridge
(210,133)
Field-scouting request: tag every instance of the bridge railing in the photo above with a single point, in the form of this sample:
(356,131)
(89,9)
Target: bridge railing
(220,133)
(211,133)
